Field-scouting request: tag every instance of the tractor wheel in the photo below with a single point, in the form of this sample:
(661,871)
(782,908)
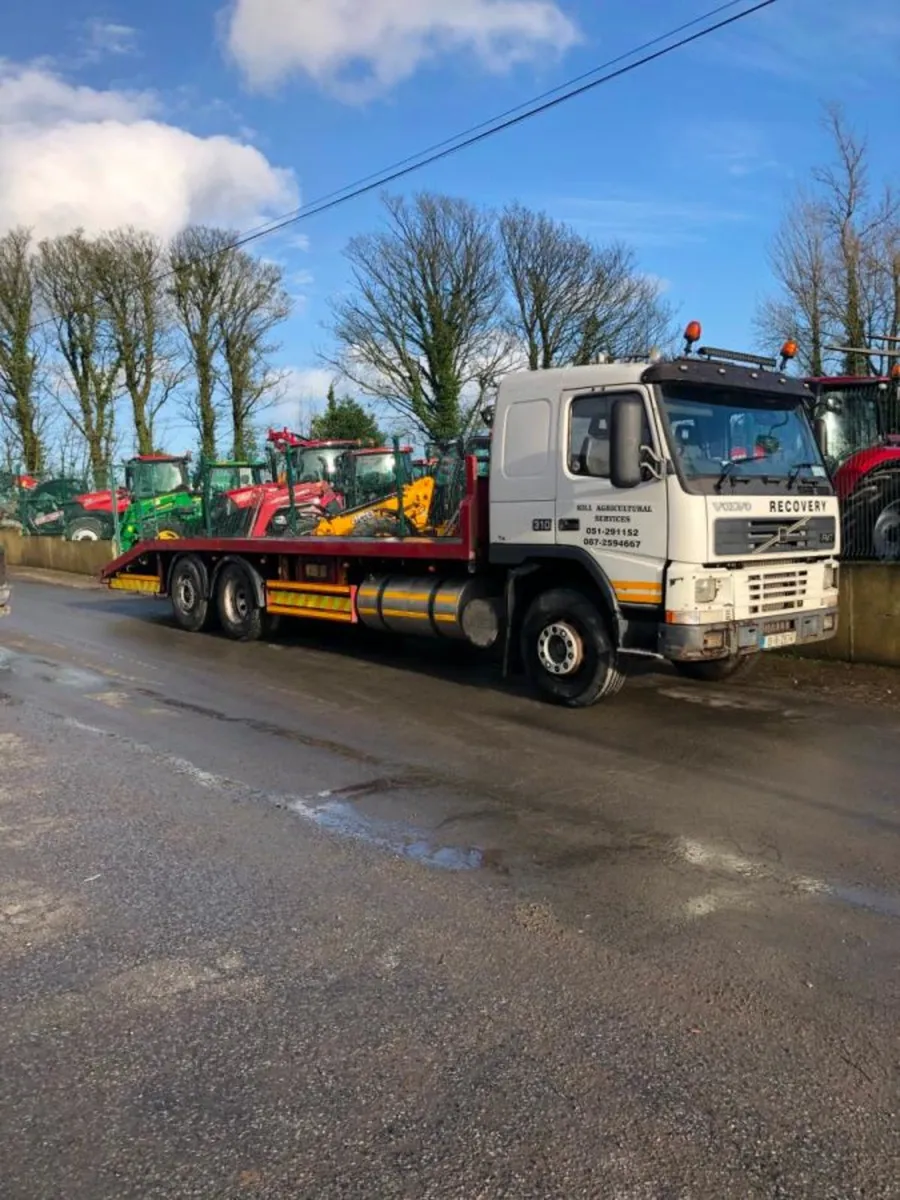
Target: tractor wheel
(188,590)
(886,533)
(719,670)
(569,655)
(87,529)
(374,525)
(240,615)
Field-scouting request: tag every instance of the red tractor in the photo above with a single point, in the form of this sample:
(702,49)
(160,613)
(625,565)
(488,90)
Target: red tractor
(327,476)
(856,424)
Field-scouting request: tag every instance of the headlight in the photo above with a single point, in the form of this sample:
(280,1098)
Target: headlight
(705,590)
(830,578)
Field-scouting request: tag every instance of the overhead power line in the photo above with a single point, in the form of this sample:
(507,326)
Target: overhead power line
(579,85)
(524,112)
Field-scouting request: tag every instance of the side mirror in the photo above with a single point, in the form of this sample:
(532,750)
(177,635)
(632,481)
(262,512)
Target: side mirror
(820,428)
(625,436)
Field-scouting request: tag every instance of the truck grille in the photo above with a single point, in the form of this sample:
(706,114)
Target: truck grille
(735,537)
(778,591)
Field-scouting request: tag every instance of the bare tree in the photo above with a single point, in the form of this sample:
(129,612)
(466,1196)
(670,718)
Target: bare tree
(423,331)
(802,264)
(200,258)
(20,351)
(130,266)
(835,259)
(252,303)
(571,300)
(91,360)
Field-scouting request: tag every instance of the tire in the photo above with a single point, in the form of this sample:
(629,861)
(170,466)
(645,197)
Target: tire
(886,533)
(188,591)
(568,653)
(86,529)
(719,670)
(240,616)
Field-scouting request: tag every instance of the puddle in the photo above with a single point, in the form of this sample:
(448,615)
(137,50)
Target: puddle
(742,701)
(858,897)
(405,841)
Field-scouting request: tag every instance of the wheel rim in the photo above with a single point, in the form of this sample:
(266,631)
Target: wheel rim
(187,594)
(237,602)
(886,534)
(560,649)
(85,535)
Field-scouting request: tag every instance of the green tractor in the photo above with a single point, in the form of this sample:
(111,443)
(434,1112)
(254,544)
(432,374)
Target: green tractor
(167,504)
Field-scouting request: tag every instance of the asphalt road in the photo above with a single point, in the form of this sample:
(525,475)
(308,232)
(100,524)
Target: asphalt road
(291,921)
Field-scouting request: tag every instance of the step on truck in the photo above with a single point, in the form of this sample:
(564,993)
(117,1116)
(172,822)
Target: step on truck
(678,508)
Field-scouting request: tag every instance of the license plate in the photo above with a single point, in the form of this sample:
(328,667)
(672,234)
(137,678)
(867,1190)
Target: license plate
(774,640)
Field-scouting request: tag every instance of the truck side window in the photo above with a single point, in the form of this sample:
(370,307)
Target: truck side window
(589,435)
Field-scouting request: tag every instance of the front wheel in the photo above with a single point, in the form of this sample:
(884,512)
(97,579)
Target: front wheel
(569,656)
(718,670)
(239,612)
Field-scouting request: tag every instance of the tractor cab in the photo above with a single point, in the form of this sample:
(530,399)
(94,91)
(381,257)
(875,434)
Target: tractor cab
(850,415)
(151,475)
(221,477)
(370,474)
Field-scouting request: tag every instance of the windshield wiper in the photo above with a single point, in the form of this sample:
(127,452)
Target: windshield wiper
(727,468)
(794,473)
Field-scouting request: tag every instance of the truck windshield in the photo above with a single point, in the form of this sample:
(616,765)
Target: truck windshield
(728,438)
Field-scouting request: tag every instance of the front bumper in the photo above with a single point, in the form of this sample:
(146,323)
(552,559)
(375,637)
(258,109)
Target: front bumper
(698,643)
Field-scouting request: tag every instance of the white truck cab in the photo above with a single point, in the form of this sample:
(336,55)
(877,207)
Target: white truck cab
(684,502)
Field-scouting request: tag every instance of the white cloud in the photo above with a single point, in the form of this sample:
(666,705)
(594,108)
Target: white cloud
(362,47)
(104,39)
(76,156)
(301,397)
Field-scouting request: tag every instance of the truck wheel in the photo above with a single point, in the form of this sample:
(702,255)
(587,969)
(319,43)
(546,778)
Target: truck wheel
(718,670)
(239,613)
(567,650)
(187,588)
(86,529)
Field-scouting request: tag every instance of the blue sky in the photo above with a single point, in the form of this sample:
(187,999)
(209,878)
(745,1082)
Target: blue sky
(112,111)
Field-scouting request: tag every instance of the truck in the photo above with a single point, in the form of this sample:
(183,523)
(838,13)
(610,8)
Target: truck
(677,507)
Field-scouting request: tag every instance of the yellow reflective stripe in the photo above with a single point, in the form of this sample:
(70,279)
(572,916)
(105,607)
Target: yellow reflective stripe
(324,589)
(638,591)
(323,603)
(283,610)
(134,583)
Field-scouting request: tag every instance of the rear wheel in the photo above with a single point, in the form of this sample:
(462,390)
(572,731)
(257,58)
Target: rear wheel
(719,670)
(87,529)
(240,615)
(886,533)
(188,590)
(567,650)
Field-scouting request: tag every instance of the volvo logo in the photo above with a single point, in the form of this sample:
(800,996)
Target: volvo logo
(732,506)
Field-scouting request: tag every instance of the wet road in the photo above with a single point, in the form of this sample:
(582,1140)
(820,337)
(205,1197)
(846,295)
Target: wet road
(291,922)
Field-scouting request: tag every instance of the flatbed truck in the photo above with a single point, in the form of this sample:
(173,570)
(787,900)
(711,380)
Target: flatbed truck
(678,508)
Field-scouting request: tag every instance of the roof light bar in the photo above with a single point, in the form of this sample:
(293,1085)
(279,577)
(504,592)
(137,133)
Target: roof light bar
(738,356)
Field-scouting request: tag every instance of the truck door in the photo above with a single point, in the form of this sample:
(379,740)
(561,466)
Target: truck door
(623,530)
